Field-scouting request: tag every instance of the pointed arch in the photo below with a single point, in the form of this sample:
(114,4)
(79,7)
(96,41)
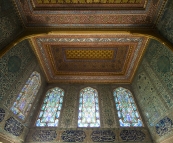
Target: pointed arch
(127,111)
(26,97)
(51,108)
(88,108)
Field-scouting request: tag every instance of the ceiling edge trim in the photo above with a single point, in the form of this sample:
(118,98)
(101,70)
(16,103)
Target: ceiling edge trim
(26,36)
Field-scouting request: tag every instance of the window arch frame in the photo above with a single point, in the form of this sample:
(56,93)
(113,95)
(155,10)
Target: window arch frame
(43,99)
(34,73)
(116,110)
(99,112)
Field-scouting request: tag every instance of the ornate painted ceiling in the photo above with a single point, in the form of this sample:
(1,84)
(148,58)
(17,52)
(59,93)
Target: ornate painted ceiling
(92,4)
(103,58)
(90,13)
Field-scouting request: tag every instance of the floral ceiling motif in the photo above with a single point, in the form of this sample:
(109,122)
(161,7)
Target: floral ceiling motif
(89,58)
(143,14)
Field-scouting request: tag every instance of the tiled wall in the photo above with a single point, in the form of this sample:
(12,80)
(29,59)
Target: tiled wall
(153,87)
(15,68)
(68,130)
(165,24)
(10,24)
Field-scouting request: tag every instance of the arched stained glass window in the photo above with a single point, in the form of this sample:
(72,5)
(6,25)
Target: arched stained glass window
(88,108)
(51,108)
(23,103)
(126,107)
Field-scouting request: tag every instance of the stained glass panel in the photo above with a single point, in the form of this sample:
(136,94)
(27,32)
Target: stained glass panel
(126,108)
(88,108)
(51,108)
(23,103)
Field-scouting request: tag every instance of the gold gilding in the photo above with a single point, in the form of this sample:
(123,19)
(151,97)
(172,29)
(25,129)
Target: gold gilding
(127,33)
(90,54)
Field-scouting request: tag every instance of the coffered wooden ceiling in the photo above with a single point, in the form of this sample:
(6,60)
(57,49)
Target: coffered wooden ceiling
(117,14)
(102,58)
(91,57)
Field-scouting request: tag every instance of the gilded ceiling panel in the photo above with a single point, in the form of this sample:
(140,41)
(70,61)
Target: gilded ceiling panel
(88,54)
(100,58)
(89,58)
(91,15)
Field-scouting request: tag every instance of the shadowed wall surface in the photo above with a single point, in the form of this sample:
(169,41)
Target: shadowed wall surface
(10,23)
(16,67)
(165,25)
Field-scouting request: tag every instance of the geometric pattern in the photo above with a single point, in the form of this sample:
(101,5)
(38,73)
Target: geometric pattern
(89,54)
(13,126)
(83,58)
(58,67)
(67,16)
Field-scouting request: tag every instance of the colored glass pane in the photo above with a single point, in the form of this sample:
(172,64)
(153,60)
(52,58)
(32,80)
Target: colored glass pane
(23,103)
(51,108)
(88,108)
(126,108)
